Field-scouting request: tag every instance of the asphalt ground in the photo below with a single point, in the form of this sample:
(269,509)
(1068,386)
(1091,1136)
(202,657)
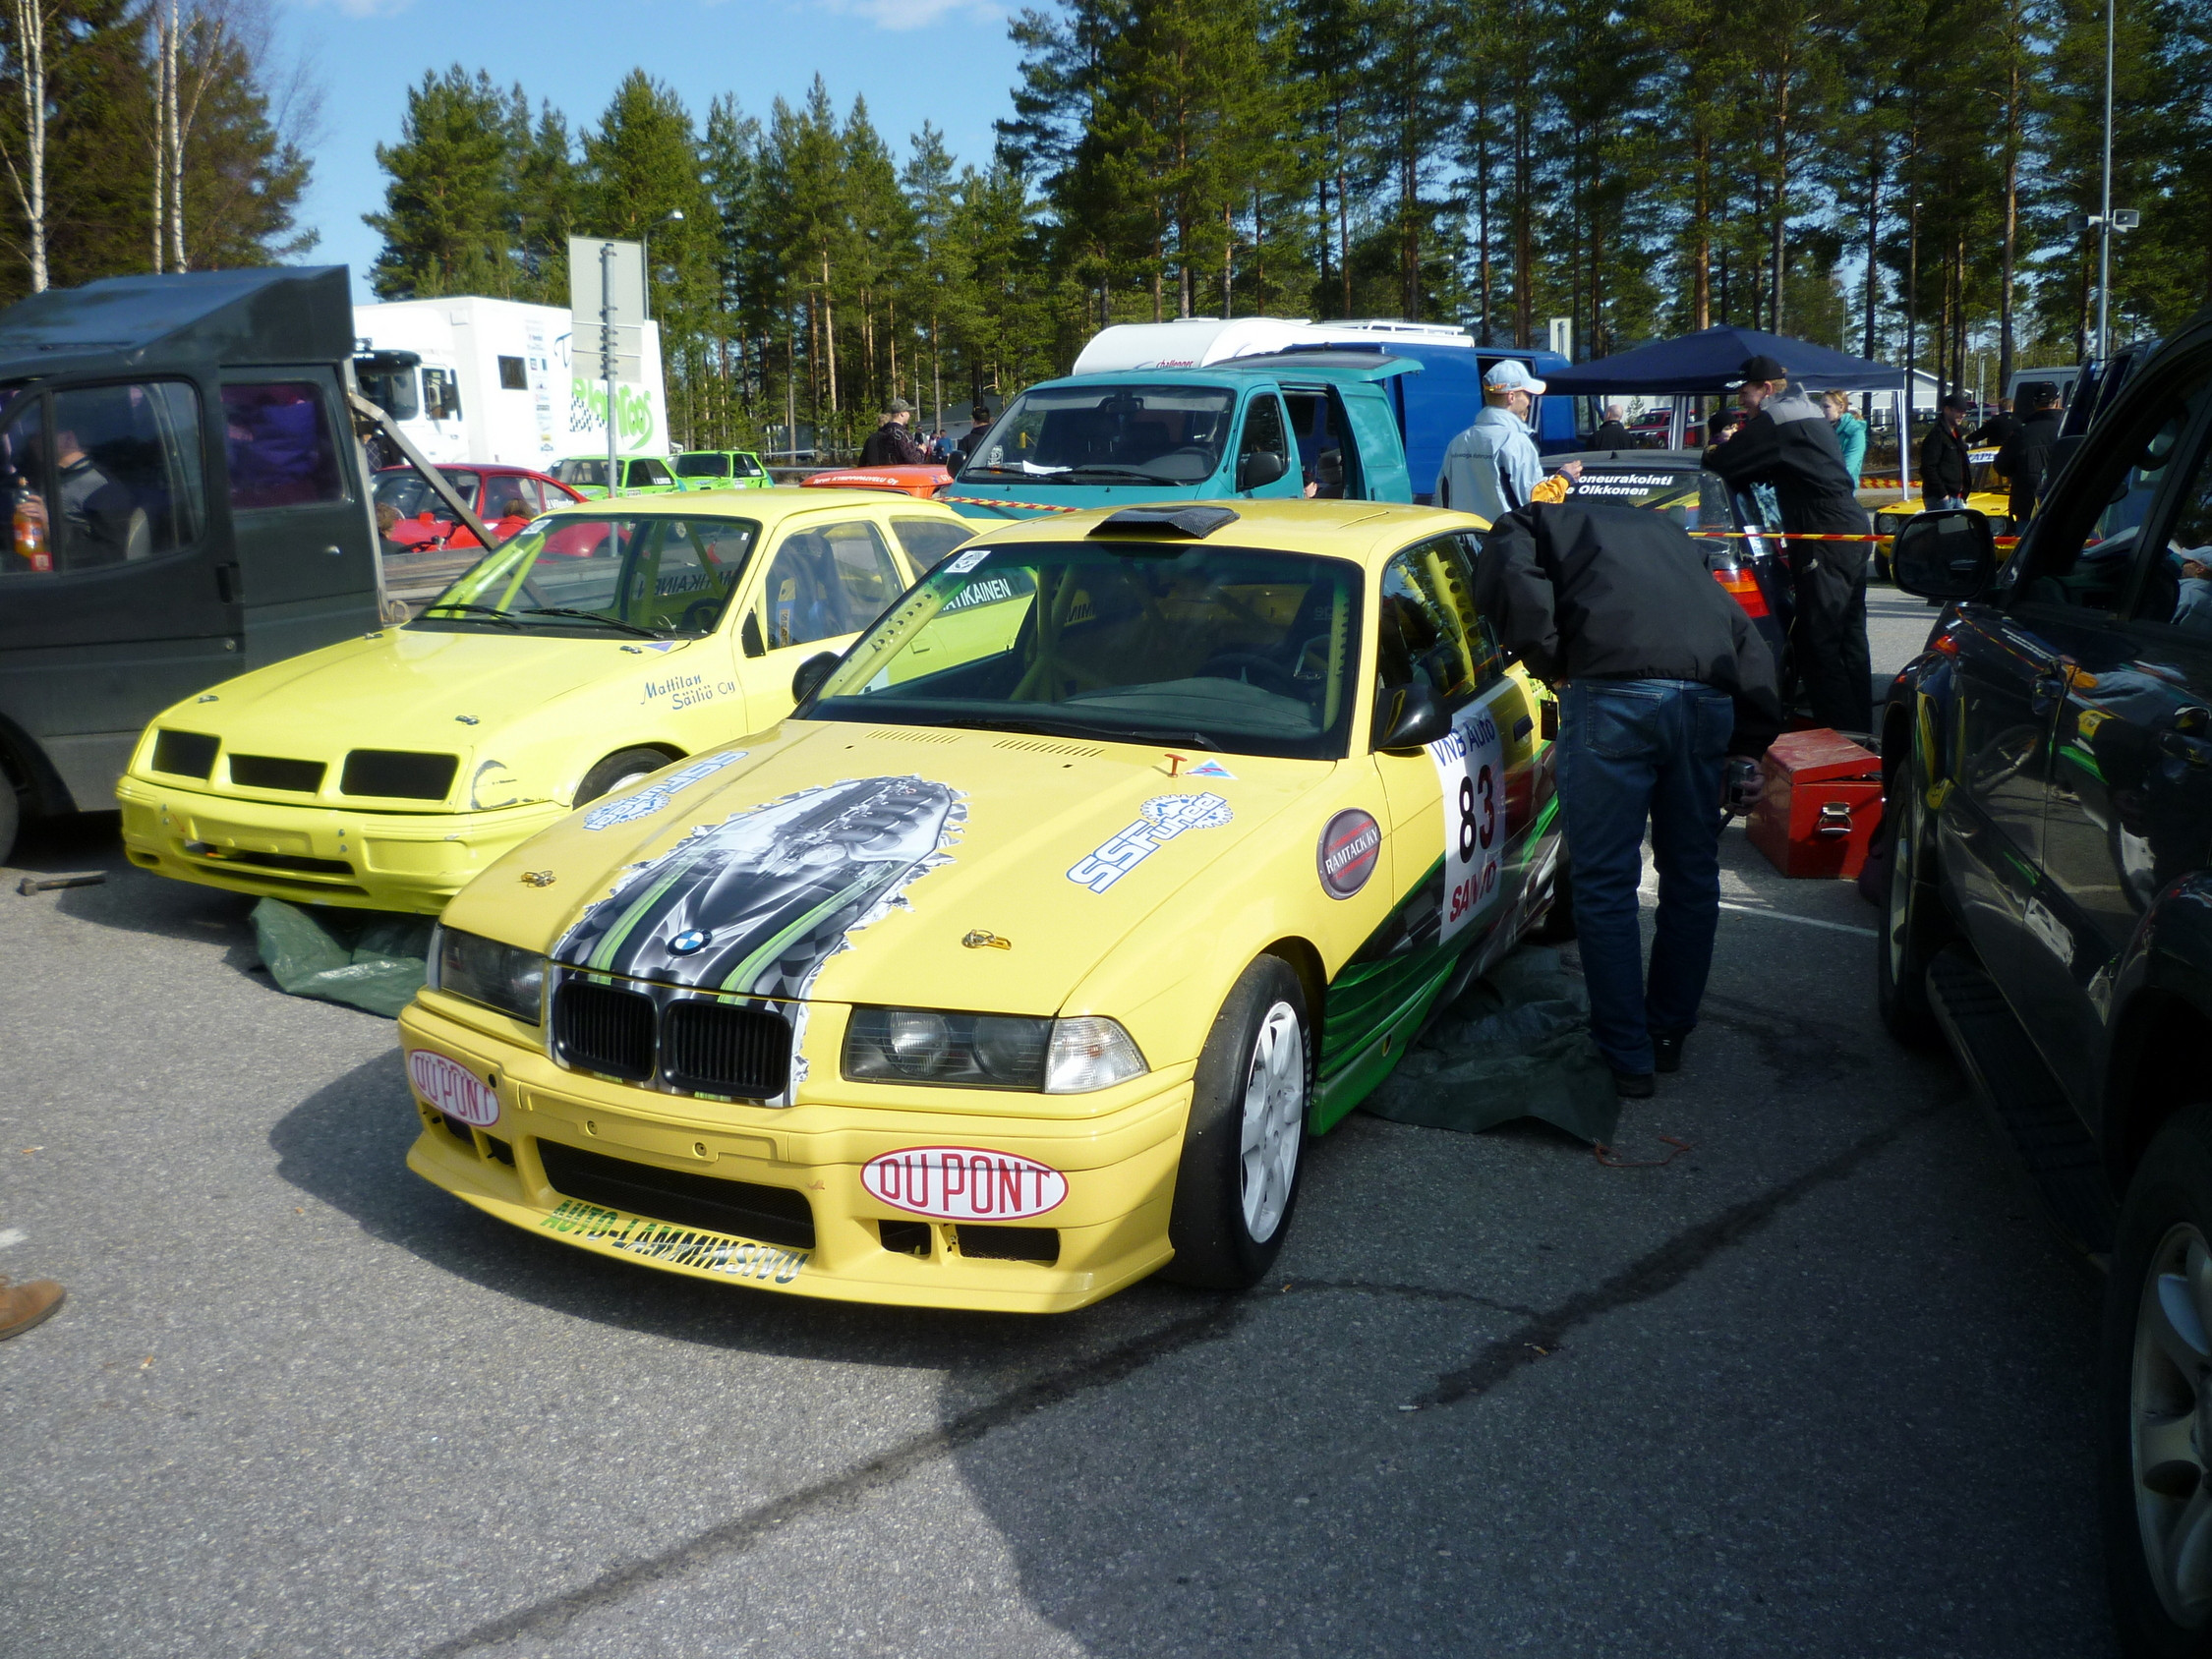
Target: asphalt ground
(1817,1385)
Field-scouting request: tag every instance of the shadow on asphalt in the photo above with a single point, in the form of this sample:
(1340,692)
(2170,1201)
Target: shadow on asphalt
(346,1145)
(131,900)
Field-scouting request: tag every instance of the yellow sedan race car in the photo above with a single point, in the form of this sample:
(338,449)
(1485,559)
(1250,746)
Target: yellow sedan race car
(598,645)
(1126,852)
(1990,496)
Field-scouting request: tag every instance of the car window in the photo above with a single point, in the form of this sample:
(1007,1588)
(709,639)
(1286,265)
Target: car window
(1168,433)
(509,496)
(122,480)
(2082,551)
(702,464)
(1250,650)
(744,466)
(393,393)
(582,473)
(643,474)
(930,541)
(2176,586)
(284,452)
(669,575)
(465,486)
(1263,428)
(441,394)
(827,580)
(1428,627)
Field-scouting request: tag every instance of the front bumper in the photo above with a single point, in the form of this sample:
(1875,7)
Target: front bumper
(314,854)
(1109,1231)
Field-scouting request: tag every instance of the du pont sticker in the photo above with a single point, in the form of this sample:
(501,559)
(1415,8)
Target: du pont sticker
(676,1246)
(454,1089)
(1347,853)
(958,1183)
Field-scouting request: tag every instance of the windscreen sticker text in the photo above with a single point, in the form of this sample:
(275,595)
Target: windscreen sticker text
(1471,771)
(676,1246)
(628,808)
(1161,819)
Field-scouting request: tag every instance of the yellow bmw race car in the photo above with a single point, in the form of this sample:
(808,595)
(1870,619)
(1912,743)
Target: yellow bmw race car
(1126,852)
(601,643)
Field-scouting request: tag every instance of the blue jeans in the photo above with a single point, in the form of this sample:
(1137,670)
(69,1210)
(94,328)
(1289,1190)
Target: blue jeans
(1632,751)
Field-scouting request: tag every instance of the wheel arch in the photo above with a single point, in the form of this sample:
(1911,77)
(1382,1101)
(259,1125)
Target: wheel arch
(2156,1068)
(671,751)
(24,765)
(1304,961)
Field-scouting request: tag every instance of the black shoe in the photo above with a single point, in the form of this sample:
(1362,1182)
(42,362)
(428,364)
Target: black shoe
(1633,1085)
(1667,1052)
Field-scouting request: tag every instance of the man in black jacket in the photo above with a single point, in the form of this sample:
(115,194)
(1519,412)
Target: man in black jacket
(2026,454)
(1663,677)
(1945,469)
(892,444)
(1614,432)
(1789,443)
(1993,432)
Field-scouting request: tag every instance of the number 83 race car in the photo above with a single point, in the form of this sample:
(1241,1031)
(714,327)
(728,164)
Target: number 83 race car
(1124,853)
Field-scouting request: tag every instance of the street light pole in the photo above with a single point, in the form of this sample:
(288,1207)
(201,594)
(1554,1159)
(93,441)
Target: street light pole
(2104,205)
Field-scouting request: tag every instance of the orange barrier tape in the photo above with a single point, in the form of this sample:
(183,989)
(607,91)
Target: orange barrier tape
(995,501)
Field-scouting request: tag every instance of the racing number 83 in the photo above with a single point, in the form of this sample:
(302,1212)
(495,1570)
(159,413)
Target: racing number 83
(1474,834)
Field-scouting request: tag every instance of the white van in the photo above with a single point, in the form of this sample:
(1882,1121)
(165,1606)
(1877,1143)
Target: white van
(492,382)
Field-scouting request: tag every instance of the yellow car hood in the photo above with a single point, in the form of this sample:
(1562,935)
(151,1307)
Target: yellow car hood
(968,870)
(405,687)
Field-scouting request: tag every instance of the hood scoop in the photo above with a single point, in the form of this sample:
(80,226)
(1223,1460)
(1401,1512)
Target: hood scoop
(913,734)
(1049,746)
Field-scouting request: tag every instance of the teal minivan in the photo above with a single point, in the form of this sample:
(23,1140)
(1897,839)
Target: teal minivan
(1286,424)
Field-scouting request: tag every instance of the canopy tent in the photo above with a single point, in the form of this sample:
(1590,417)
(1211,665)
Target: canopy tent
(1710,362)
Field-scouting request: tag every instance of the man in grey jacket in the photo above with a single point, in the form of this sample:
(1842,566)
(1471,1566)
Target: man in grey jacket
(1492,468)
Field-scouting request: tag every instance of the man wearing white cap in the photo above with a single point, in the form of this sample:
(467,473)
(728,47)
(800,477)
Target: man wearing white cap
(1492,468)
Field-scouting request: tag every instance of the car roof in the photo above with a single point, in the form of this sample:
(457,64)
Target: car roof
(779,501)
(1369,532)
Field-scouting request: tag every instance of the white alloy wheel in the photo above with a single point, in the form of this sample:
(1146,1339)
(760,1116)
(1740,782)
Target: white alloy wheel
(1273,1120)
(2169,1418)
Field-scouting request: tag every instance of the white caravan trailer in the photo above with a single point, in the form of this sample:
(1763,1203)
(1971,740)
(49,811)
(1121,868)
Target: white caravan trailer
(494,381)
(1191,342)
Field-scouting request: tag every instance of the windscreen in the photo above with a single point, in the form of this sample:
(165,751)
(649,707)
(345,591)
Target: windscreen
(1232,649)
(1109,434)
(650,576)
(1692,497)
(581,473)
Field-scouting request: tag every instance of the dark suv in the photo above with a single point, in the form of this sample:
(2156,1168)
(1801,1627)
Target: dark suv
(2050,913)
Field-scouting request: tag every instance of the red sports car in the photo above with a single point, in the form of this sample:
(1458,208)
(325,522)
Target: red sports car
(505,499)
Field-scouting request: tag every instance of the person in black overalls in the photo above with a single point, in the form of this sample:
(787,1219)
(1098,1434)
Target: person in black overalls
(892,444)
(1788,442)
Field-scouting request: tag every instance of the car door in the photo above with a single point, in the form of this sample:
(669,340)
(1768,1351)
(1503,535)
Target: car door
(1461,808)
(824,581)
(2130,805)
(304,559)
(132,604)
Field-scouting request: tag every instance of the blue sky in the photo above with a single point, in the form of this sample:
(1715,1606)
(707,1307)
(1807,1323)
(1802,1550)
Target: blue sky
(944,61)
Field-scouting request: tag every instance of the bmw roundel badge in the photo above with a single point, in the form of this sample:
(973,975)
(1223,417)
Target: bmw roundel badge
(686,943)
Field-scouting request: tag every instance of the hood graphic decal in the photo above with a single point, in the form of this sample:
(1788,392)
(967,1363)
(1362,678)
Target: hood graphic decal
(755,906)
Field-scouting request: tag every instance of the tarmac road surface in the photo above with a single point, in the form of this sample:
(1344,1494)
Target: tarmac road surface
(1819,1385)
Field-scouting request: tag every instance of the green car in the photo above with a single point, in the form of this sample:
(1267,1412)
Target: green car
(642,475)
(721,469)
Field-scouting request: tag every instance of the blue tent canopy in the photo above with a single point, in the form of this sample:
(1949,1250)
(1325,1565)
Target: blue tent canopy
(1709,361)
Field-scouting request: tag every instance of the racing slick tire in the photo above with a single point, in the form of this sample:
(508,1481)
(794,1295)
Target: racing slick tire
(2154,1359)
(617,771)
(1244,1148)
(1915,924)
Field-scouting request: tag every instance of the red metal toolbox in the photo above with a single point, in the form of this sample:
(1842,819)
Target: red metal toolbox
(1819,805)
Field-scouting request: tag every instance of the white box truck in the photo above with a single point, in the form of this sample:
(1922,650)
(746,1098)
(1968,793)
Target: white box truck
(492,380)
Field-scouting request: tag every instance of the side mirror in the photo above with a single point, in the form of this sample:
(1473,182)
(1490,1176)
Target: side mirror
(807,679)
(1946,555)
(750,637)
(1260,467)
(1408,716)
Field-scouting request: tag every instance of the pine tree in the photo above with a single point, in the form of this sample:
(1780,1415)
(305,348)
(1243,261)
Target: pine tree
(444,222)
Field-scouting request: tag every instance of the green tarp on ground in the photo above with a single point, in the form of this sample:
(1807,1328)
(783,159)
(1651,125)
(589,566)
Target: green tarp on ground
(1515,1044)
(372,960)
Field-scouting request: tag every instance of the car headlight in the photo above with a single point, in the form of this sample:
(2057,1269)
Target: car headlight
(1054,1057)
(483,970)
